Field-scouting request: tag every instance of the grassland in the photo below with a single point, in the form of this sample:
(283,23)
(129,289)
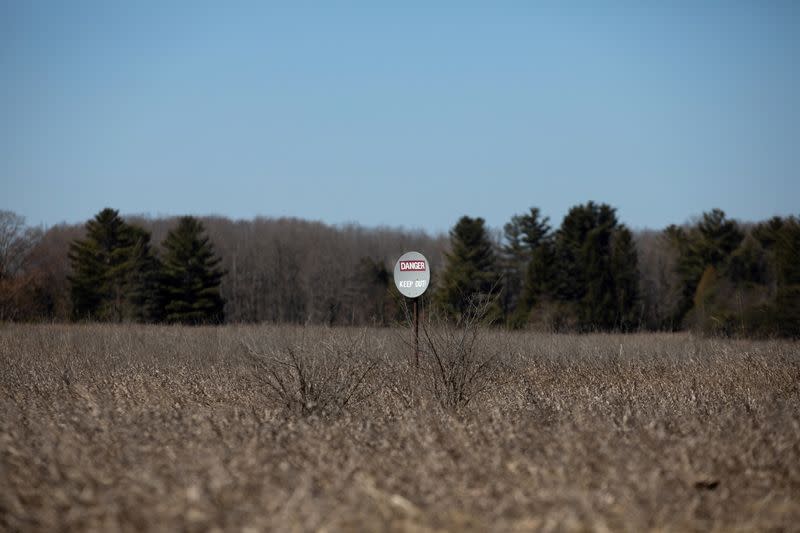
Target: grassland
(279,428)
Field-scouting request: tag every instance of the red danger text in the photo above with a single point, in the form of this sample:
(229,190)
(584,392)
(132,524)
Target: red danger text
(412,266)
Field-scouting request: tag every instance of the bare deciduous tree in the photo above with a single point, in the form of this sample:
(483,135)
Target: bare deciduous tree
(16,242)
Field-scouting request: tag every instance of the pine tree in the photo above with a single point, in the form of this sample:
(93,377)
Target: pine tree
(624,265)
(689,268)
(718,237)
(596,309)
(787,262)
(112,269)
(523,235)
(710,243)
(570,283)
(513,261)
(748,263)
(144,280)
(594,268)
(534,228)
(471,270)
(538,284)
(571,247)
(191,276)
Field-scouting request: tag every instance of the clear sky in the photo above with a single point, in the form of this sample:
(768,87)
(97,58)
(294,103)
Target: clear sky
(405,116)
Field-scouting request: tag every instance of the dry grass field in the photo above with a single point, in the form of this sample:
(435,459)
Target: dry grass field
(132,428)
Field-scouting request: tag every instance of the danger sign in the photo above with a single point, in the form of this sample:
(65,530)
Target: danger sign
(411,274)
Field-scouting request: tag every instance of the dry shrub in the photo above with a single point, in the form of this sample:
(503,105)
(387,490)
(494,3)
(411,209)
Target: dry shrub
(458,361)
(315,376)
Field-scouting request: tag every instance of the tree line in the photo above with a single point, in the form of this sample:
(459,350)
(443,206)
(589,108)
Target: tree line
(273,270)
(117,277)
(582,276)
(591,273)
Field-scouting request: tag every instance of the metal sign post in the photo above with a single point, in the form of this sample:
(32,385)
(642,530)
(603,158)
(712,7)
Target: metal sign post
(412,275)
(416,332)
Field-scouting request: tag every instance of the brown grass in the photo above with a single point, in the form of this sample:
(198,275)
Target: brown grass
(169,428)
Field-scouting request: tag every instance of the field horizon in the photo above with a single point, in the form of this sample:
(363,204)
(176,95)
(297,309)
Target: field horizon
(290,428)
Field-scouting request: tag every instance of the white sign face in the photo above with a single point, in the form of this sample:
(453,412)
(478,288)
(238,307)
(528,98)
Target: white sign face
(412,274)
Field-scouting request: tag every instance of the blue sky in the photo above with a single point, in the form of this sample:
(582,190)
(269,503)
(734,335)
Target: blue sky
(408,115)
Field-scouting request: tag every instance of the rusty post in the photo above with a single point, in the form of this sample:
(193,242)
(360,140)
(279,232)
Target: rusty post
(416,332)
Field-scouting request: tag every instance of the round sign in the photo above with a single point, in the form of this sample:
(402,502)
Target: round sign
(412,274)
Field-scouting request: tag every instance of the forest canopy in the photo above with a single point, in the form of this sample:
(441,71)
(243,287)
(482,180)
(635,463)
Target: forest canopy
(590,273)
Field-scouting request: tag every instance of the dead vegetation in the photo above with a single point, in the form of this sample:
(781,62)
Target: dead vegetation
(294,429)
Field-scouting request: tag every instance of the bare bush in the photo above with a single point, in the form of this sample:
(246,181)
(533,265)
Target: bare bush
(312,375)
(457,360)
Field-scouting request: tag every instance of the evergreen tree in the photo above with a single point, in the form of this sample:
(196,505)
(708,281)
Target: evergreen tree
(144,280)
(787,266)
(624,265)
(748,263)
(522,236)
(718,238)
(710,243)
(191,276)
(112,271)
(538,284)
(595,268)
(739,283)
(689,268)
(534,229)
(471,270)
(513,260)
(596,309)
(571,249)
